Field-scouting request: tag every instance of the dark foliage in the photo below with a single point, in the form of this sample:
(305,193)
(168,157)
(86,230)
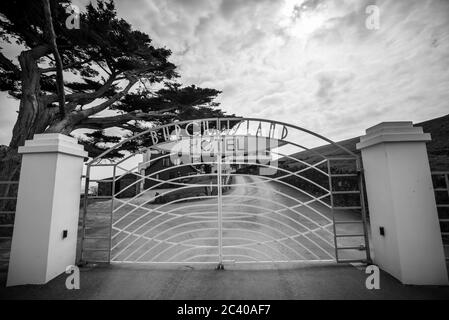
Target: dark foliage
(111,67)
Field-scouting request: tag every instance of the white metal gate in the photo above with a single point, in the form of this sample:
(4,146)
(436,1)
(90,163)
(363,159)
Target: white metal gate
(225,191)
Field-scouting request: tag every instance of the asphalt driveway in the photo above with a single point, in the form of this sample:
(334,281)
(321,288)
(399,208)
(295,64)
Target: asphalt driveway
(327,281)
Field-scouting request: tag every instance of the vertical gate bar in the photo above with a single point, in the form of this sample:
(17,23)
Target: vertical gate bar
(114,171)
(446,178)
(85,203)
(363,209)
(332,207)
(219,194)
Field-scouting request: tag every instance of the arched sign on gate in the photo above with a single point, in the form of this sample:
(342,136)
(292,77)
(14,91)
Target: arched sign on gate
(225,191)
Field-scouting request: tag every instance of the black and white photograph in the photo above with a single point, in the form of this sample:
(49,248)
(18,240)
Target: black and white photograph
(231,156)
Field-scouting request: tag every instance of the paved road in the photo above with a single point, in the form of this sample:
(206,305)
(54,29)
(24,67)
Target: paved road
(307,282)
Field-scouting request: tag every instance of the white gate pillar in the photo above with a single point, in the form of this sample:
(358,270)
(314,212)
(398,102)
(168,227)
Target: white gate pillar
(402,204)
(46,222)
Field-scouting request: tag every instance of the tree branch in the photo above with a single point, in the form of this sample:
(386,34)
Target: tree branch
(58,60)
(85,98)
(104,69)
(39,51)
(91,111)
(119,120)
(8,65)
(67,66)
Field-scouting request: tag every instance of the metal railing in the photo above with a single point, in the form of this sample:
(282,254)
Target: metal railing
(8,199)
(440,181)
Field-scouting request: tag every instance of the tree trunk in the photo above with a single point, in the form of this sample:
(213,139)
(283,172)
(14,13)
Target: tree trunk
(33,117)
(33,113)
(64,126)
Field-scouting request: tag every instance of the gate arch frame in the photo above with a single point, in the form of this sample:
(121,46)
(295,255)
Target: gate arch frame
(285,124)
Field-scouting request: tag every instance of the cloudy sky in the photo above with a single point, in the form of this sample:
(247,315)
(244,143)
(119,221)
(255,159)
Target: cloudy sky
(312,63)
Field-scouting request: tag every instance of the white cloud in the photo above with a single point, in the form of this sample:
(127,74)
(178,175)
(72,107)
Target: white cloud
(311,63)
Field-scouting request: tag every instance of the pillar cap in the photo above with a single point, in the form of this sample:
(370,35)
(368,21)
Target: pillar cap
(53,142)
(387,132)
